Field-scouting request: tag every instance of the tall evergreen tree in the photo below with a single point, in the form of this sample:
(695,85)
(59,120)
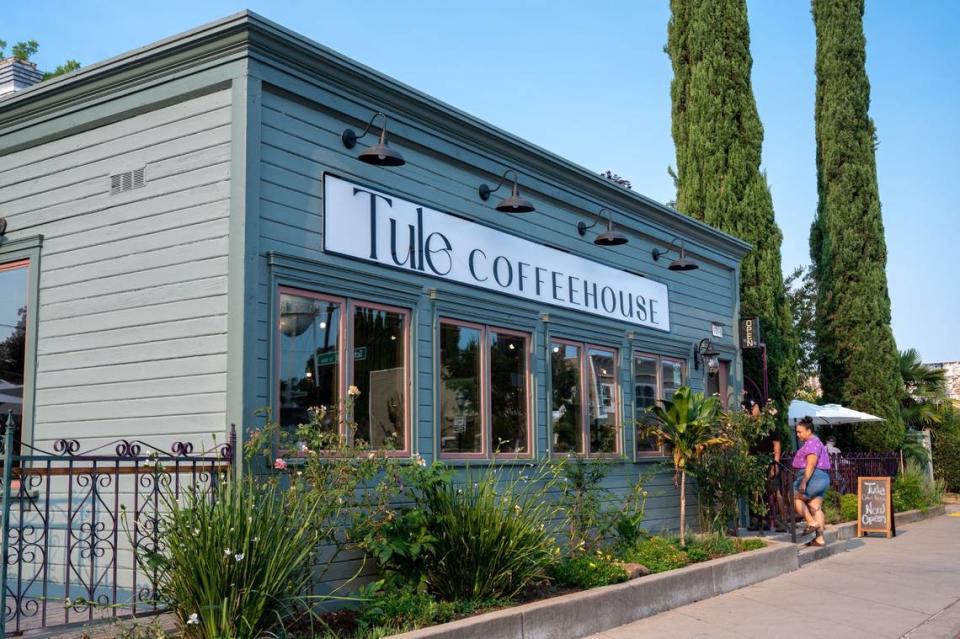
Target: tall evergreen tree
(718,137)
(858,355)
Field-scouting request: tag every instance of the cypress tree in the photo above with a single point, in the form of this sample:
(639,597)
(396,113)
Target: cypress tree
(857,352)
(718,138)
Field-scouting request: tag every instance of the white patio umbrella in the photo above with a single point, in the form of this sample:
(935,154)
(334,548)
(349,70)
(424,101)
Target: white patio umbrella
(828,414)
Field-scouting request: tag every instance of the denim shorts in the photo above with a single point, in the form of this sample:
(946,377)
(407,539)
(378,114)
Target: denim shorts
(816,487)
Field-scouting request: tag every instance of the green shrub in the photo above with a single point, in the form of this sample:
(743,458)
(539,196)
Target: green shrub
(658,554)
(493,534)
(704,547)
(402,608)
(913,489)
(587,571)
(750,543)
(234,565)
(831,507)
(946,450)
(848,507)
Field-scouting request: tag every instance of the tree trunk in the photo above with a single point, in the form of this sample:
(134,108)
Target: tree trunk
(683,508)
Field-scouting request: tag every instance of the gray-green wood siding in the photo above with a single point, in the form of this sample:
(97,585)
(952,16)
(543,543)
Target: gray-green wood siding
(132,330)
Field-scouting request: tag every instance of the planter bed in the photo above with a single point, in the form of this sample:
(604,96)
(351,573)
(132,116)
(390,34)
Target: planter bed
(586,612)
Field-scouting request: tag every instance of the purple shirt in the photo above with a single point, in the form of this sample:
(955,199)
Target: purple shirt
(812,446)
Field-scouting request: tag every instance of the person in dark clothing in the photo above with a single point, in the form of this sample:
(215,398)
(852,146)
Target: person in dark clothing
(769,445)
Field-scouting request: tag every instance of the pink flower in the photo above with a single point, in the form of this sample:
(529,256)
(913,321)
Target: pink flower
(280,464)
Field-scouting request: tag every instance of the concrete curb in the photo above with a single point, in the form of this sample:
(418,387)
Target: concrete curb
(849,529)
(584,613)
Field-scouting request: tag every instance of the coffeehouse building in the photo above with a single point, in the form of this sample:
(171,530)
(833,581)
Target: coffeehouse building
(238,217)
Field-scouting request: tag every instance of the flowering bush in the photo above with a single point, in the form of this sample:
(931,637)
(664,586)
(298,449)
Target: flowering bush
(235,563)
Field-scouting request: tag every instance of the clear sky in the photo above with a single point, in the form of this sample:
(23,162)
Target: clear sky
(590,81)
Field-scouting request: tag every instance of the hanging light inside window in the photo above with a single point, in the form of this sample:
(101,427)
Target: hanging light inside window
(514,203)
(379,154)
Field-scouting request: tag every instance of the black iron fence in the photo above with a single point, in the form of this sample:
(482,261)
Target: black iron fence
(74,522)
(845,469)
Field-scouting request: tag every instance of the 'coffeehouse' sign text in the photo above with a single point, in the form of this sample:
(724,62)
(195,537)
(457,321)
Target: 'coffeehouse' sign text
(367,224)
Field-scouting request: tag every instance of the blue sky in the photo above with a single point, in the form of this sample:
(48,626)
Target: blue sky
(590,81)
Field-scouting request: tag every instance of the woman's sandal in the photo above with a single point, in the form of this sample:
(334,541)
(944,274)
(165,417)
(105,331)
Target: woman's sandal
(823,542)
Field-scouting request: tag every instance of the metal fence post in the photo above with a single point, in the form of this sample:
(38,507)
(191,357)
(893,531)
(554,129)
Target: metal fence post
(7,474)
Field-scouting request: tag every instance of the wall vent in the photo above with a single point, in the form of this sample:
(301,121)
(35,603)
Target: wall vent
(123,182)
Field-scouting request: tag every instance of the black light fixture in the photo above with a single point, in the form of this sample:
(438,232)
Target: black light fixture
(512,204)
(608,237)
(379,154)
(703,352)
(680,264)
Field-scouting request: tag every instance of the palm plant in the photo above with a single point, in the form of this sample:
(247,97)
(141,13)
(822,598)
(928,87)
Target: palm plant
(687,424)
(923,391)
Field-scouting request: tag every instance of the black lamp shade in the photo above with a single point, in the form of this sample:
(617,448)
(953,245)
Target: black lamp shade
(381,155)
(610,238)
(515,204)
(683,264)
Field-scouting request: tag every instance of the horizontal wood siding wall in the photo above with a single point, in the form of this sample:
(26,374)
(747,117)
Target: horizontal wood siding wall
(133,288)
(300,141)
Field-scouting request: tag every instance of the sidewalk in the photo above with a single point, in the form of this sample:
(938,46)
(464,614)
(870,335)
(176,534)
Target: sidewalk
(908,586)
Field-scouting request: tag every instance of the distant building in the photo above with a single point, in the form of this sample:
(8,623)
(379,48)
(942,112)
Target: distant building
(951,374)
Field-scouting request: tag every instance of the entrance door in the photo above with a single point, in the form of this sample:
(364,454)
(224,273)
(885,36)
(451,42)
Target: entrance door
(717,383)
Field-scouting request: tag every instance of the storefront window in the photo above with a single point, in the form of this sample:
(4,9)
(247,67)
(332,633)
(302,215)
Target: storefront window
(672,377)
(508,392)
(378,372)
(13,340)
(645,396)
(583,371)
(655,379)
(602,407)
(315,334)
(310,342)
(460,409)
(484,392)
(566,406)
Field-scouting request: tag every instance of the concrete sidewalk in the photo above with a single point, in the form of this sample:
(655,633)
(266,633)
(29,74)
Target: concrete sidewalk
(908,586)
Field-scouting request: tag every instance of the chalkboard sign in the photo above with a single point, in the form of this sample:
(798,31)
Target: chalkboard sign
(874,506)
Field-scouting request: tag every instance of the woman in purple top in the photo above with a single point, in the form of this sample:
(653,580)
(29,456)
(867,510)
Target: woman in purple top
(812,482)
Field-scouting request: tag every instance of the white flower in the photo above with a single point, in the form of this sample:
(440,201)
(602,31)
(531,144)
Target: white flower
(227,552)
(193,620)
(67,603)
(196,531)
(353,391)
(256,539)
(238,556)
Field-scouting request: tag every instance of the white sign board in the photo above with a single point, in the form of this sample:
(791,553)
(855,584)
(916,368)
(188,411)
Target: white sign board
(370,225)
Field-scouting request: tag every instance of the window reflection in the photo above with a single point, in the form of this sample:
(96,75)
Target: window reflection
(309,358)
(460,424)
(567,414)
(602,407)
(13,341)
(508,392)
(378,372)
(672,373)
(645,396)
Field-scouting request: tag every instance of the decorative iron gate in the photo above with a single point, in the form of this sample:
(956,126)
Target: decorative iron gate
(74,522)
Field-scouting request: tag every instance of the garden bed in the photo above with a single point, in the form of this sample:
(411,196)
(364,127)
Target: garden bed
(583,613)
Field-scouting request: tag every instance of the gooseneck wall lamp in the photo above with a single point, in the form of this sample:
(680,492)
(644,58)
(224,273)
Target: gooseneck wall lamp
(511,204)
(703,354)
(680,264)
(608,237)
(379,154)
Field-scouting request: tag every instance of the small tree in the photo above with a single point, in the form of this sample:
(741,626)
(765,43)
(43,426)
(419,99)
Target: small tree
(685,423)
(23,51)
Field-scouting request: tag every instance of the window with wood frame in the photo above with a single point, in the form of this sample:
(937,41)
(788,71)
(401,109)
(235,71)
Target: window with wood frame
(585,398)
(655,378)
(484,391)
(328,344)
